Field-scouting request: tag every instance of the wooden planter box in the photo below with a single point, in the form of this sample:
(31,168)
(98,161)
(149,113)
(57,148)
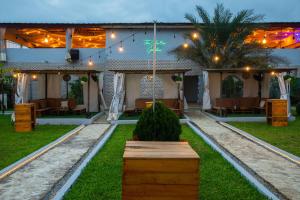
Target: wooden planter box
(160,170)
(25,117)
(277,113)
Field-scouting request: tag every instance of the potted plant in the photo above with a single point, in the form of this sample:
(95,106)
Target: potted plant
(177,79)
(83,80)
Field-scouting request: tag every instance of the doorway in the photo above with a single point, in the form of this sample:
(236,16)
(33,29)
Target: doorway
(191,89)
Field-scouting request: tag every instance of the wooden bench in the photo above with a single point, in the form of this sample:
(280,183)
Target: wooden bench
(173,104)
(160,170)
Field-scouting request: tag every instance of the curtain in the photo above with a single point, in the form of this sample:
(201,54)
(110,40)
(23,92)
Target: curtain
(284,87)
(2,44)
(20,95)
(118,97)
(100,82)
(69,36)
(206,98)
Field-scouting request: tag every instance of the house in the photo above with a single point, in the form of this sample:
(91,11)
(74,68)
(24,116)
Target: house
(48,51)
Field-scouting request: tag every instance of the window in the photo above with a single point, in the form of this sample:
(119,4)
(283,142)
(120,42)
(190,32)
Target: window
(232,86)
(146,87)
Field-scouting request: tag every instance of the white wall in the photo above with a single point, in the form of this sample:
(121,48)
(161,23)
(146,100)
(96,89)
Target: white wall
(137,50)
(132,87)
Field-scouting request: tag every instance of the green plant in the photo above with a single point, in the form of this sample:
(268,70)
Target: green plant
(161,125)
(76,91)
(298,108)
(84,79)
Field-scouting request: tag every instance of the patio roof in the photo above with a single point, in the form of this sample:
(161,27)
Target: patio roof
(145,66)
(237,70)
(52,68)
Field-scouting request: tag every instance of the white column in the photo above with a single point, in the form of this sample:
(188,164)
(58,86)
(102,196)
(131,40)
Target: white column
(206,96)
(2,44)
(69,36)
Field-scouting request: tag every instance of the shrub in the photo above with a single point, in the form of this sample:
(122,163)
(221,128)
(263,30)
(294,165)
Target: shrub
(298,108)
(163,125)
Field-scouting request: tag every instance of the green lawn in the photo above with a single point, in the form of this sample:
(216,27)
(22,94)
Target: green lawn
(286,138)
(101,179)
(14,146)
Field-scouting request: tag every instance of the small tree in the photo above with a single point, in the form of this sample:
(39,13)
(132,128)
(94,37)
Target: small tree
(161,125)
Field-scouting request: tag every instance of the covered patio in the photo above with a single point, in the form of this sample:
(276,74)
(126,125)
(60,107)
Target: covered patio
(133,89)
(52,89)
(243,90)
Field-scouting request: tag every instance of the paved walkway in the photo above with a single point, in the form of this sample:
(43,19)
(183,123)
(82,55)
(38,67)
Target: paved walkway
(279,172)
(36,179)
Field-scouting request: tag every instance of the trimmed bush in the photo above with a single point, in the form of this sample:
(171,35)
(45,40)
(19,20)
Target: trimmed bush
(298,108)
(163,125)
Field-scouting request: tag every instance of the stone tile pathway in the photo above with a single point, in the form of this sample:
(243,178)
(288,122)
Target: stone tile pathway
(281,174)
(36,179)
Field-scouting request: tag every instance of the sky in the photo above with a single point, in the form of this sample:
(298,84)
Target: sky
(114,11)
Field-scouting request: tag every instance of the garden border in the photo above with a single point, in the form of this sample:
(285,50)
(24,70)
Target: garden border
(32,156)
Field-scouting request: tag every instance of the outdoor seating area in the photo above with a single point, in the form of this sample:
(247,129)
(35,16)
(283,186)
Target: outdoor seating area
(224,106)
(57,106)
(173,104)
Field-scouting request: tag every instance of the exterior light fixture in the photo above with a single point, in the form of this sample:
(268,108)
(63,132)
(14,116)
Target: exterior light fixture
(195,35)
(121,48)
(264,41)
(247,68)
(34,77)
(185,45)
(15,75)
(273,73)
(216,58)
(90,62)
(112,35)
(46,40)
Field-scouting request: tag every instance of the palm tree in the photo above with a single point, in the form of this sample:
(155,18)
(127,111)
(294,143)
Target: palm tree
(221,42)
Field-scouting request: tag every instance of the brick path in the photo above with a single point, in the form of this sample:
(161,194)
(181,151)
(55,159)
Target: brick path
(36,179)
(281,174)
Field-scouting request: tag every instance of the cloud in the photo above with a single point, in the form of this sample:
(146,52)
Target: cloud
(134,10)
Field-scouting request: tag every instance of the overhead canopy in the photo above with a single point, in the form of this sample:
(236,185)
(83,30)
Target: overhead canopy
(239,70)
(147,71)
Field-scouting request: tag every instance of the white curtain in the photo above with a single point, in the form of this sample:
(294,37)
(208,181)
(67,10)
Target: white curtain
(206,97)
(2,44)
(69,36)
(20,95)
(284,87)
(100,82)
(118,98)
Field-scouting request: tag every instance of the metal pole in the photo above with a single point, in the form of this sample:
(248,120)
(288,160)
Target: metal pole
(154,66)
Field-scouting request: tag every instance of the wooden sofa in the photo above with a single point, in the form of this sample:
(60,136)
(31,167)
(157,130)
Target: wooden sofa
(53,105)
(238,105)
(174,104)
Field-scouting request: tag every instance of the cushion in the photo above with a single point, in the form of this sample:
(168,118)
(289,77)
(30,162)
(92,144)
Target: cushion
(64,104)
(262,103)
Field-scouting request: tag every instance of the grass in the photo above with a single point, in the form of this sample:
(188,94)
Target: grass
(101,179)
(14,146)
(286,138)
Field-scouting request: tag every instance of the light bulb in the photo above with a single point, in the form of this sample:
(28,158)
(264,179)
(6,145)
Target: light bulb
(46,40)
(195,35)
(185,45)
(121,49)
(247,68)
(34,76)
(90,63)
(216,58)
(264,41)
(112,35)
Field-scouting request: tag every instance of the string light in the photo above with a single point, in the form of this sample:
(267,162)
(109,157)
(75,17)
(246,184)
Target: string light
(90,62)
(185,45)
(121,49)
(112,35)
(195,35)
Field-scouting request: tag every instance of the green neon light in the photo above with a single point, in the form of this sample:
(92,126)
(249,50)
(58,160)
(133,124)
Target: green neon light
(149,45)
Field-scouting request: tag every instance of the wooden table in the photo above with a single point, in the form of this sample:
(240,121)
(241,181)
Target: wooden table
(160,170)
